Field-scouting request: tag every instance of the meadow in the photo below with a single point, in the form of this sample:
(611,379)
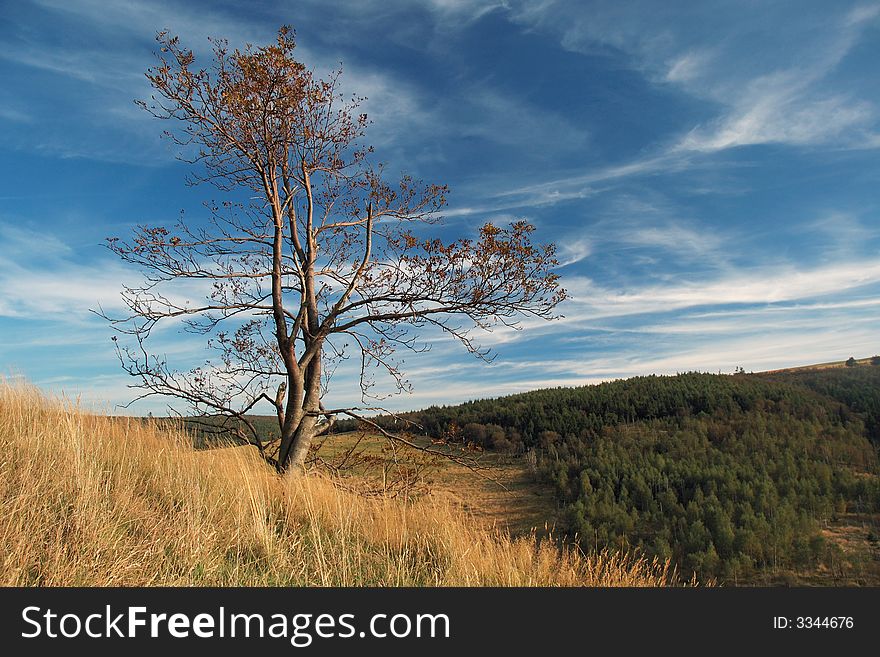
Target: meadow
(92,500)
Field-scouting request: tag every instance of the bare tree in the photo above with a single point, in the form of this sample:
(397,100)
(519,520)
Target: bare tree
(312,258)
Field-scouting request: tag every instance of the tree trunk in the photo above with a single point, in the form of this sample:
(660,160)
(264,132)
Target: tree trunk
(299,445)
(297,438)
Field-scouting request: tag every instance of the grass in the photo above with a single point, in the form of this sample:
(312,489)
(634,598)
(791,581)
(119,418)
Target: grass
(88,500)
(822,366)
(500,493)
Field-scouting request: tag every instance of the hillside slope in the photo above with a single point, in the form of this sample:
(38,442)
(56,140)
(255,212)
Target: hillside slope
(747,477)
(87,500)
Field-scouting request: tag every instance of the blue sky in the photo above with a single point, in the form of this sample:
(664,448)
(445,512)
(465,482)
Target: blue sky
(710,171)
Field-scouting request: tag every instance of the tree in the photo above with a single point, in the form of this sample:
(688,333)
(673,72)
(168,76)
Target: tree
(851,362)
(311,258)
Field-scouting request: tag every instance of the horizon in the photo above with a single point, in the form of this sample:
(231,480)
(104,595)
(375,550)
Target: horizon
(379,412)
(710,176)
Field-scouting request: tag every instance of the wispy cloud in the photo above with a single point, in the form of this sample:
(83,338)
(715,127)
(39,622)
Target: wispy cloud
(773,347)
(687,67)
(570,186)
(575,186)
(111,74)
(783,108)
(15,115)
(843,234)
(143,18)
(764,285)
(769,84)
(863,14)
(735,292)
(789,104)
(573,251)
(63,292)
(653,224)
(43,278)
(676,238)
(29,241)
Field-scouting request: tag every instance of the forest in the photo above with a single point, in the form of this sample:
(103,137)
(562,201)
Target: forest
(734,477)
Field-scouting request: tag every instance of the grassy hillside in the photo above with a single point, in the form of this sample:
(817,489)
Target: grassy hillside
(748,478)
(502,493)
(97,501)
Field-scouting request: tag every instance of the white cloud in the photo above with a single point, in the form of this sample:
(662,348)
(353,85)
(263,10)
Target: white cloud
(506,118)
(143,18)
(843,234)
(65,292)
(687,67)
(572,187)
(44,278)
(676,238)
(863,14)
(40,279)
(766,68)
(29,241)
(773,347)
(468,10)
(110,72)
(573,251)
(778,109)
(765,285)
(787,103)
(15,115)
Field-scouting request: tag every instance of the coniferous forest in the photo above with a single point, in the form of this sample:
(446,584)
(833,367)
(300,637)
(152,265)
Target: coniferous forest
(736,477)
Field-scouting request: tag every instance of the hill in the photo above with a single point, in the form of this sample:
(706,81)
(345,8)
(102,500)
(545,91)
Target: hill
(89,500)
(850,362)
(753,478)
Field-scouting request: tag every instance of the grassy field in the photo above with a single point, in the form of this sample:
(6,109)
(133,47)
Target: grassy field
(498,492)
(87,500)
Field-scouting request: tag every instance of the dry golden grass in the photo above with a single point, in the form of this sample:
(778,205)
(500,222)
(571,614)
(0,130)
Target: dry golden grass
(89,500)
